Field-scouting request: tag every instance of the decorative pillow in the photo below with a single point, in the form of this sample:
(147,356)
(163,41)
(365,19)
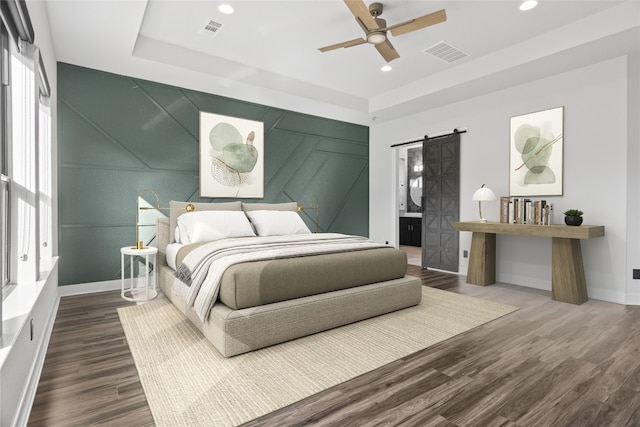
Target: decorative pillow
(205,226)
(288,206)
(178,208)
(277,223)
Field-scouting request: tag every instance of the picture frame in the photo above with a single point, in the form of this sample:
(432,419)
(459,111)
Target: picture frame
(231,157)
(536,146)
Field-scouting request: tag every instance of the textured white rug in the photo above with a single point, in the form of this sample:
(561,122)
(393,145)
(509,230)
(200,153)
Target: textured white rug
(187,382)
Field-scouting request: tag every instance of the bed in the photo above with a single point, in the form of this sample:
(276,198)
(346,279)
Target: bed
(249,288)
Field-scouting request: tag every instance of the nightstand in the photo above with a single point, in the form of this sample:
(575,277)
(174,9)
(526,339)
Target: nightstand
(147,291)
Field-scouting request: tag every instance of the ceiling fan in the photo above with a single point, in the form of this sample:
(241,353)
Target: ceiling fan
(375,28)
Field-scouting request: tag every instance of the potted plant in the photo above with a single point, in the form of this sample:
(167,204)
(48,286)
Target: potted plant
(573,217)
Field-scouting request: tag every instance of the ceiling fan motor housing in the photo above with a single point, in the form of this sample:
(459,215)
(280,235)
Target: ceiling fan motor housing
(375,9)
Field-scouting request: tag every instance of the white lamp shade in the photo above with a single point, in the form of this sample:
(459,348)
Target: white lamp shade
(483,194)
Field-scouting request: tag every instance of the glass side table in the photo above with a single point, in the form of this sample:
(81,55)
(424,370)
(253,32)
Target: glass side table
(148,290)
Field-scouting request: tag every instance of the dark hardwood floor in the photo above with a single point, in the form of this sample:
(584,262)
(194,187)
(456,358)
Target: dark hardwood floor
(89,378)
(548,364)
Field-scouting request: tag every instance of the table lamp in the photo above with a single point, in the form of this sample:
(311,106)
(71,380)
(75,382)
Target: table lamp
(483,194)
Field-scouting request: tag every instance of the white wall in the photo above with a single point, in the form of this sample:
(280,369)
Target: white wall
(596,143)
(633,178)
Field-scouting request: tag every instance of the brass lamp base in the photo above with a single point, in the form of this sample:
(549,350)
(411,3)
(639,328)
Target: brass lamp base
(140,244)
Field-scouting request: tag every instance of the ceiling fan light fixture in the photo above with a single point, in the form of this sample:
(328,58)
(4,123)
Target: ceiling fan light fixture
(386,68)
(376,37)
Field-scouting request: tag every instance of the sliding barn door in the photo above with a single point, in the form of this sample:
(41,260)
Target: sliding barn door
(441,202)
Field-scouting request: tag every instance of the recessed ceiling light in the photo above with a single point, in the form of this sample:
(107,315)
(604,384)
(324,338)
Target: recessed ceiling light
(227,9)
(386,68)
(528,4)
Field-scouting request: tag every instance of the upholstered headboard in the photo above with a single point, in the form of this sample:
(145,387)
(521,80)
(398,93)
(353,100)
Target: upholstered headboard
(162,240)
(287,206)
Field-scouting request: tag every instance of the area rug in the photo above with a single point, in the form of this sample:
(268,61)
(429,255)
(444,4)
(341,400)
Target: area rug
(187,382)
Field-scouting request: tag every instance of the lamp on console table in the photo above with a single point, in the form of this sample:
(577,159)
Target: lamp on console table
(483,194)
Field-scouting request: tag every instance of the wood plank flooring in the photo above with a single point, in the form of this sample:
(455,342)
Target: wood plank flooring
(414,254)
(548,364)
(89,378)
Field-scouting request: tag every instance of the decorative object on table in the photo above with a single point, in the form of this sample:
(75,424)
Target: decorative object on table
(483,194)
(231,157)
(573,217)
(312,207)
(536,153)
(140,243)
(522,210)
(505,201)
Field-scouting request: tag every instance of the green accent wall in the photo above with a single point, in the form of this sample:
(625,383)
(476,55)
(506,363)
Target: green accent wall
(118,135)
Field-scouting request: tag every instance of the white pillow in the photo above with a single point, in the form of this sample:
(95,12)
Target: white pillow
(176,235)
(205,226)
(277,223)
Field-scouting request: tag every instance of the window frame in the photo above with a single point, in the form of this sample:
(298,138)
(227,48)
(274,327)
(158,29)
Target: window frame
(44,190)
(5,174)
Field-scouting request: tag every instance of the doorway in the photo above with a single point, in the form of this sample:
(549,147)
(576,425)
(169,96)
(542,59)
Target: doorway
(441,202)
(410,202)
(429,201)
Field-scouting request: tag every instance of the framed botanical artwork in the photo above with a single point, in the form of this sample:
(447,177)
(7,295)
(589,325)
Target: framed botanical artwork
(536,153)
(231,157)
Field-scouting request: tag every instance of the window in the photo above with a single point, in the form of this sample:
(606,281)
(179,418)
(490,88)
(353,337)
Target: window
(44,167)
(24,164)
(25,195)
(5,208)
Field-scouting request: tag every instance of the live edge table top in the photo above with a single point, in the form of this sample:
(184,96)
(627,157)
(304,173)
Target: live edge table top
(560,231)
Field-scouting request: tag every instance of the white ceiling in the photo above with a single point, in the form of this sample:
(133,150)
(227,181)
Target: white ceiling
(274,45)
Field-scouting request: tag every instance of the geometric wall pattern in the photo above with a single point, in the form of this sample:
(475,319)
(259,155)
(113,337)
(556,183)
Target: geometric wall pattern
(118,135)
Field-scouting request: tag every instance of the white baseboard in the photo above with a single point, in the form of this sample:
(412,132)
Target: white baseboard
(88,288)
(633,298)
(609,296)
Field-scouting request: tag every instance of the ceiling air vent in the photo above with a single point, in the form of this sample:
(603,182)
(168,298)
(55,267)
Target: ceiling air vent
(210,28)
(445,52)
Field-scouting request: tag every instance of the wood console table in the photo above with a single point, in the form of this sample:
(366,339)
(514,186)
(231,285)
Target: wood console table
(567,282)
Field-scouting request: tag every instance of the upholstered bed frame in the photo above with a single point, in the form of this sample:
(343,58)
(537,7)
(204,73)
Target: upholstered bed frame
(234,332)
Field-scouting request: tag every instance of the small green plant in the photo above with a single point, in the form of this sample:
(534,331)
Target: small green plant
(573,212)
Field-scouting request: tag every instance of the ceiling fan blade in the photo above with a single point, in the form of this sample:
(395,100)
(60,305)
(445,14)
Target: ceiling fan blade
(364,27)
(418,23)
(350,43)
(387,51)
(361,11)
